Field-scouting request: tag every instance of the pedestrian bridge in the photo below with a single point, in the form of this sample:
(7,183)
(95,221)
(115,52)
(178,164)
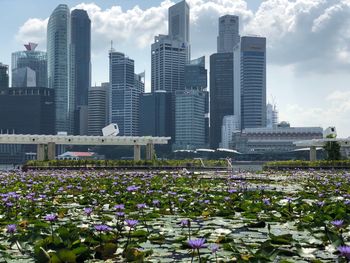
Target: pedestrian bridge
(46,144)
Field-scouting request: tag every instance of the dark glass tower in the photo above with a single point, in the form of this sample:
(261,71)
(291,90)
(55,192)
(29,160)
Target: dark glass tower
(4,76)
(81,59)
(253,82)
(221,93)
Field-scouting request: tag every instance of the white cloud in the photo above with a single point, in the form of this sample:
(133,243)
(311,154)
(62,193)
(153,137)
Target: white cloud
(33,30)
(304,36)
(334,112)
(313,35)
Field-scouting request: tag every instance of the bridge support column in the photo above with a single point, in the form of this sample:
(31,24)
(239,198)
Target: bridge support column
(149,151)
(51,151)
(313,153)
(137,152)
(40,152)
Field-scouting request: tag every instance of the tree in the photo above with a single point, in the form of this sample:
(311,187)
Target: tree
(333,150)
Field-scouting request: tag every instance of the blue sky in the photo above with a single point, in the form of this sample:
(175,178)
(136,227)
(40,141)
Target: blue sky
(308,44)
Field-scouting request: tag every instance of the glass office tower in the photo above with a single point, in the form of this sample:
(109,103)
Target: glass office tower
(33,59)
(60,68)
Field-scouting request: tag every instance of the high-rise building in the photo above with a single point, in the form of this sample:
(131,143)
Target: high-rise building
(4,76)
(230,124)
(60,68)
(125,94)
(253,82)
(27,110)
(228,33)
(191,107)
(34,60)
(23,77)
(196,74)
(189,119)
(156,114)
(179,25)
(81,59)
(271,116)
(98,116)
(221,93)
(170,53)
(168,64)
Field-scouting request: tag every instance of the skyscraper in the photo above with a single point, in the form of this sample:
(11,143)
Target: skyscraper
(196,74)
(27,111)
(60,68)
(4,76)
(168,64)
(221,93)
(271,116)
(156,114)
(253,82)
(125,94)
(189,119)
(191,107)
(228,33)
(23,77)
(32,59)
(179,24)
(223,97)
(81,56)
(170,53)
(98,116)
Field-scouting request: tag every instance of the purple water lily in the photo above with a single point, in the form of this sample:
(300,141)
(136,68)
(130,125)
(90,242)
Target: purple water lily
(338,223)
(141,206)
(11,228)
(131,222)
(214,248)
(88,211)
(344,251)
(102,228)
(197,243)
(120,214)
(119,207)
(185,222)
(51,217)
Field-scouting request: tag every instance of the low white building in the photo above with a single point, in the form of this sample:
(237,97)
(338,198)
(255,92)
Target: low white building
(277,139)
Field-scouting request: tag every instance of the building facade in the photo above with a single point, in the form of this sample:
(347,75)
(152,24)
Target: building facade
(60,68)
(34,60)
(277,139)
(230,124)
(23,77)
(27,110)
(196,75)
(81,59)
(228,33)
(271,116)
(253,82)
(4,76)
(125,94)
(189,119)
(221,93)
(156,114)
(168,60)
(98,109)
(179,25)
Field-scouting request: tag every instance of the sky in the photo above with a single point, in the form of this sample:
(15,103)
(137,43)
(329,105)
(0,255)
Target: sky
(308,44)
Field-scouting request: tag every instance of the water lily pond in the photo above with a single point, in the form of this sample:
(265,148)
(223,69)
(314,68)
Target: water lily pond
(174,216)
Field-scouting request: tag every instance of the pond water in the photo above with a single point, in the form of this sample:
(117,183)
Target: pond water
(82,216)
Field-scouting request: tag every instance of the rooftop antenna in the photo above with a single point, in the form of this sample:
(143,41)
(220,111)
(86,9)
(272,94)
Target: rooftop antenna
(112,49)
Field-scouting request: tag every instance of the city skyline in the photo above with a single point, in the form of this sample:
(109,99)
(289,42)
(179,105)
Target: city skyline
(304,88)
